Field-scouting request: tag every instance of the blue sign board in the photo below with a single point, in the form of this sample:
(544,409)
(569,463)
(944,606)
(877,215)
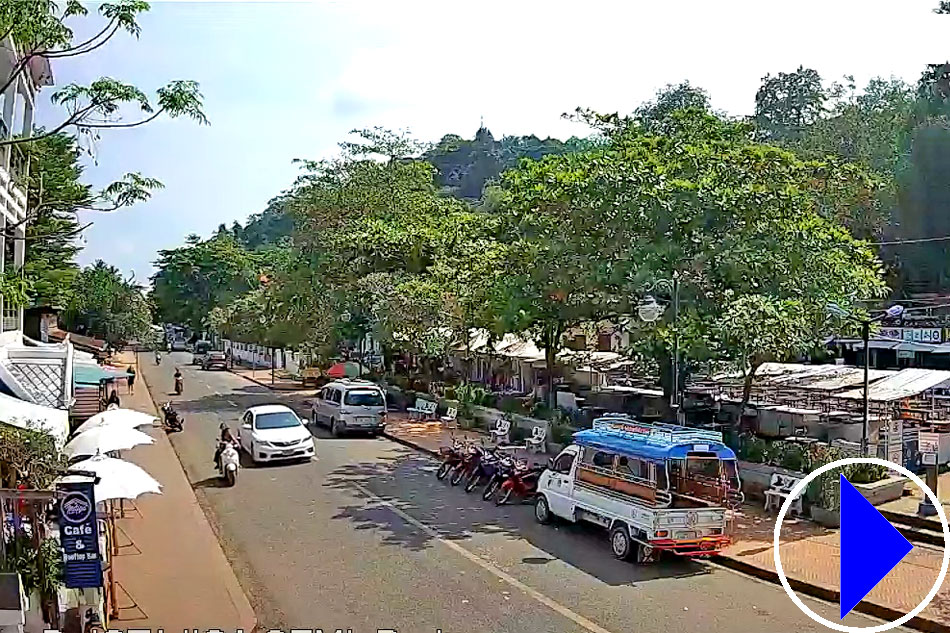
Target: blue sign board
(79,535)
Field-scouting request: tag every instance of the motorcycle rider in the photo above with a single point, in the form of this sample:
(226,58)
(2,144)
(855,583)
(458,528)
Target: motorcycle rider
(225,438)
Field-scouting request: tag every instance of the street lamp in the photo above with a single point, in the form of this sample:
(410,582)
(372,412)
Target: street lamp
(891,312)
(650,311)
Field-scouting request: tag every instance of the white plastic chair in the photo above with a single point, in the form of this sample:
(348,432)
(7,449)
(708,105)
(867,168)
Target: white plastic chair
(536,441)
(499,434)
(449,419)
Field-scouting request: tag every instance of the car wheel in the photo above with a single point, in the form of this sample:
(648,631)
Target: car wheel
(541,510)
(620,543)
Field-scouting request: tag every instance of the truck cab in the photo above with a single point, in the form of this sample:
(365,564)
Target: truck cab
(656,487)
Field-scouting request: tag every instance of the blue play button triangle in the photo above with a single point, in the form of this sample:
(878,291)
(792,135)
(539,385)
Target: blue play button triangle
(870,547)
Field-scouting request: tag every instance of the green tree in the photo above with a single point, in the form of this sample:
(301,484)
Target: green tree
(202,275)
(788,103)
(108,306)
(41,29)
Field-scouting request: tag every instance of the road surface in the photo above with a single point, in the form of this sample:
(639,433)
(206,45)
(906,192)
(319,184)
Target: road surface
(364,538)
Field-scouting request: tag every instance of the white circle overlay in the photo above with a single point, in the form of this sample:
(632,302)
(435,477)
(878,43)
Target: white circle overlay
(799,488)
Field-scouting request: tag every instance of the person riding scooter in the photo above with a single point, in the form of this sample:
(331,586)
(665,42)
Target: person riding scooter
(179,381)
(225,437)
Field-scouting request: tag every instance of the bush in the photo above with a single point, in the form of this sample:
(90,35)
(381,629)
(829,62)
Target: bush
(865,473)
(450,393)
(561,434)
(753,450)
(517,435)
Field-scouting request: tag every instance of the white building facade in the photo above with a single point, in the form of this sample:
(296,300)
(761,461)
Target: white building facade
(17,105)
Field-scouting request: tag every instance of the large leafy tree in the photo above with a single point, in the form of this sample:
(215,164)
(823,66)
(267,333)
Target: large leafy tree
(787,103)
(743,226)
(193,280)
(108,306)
(42,30)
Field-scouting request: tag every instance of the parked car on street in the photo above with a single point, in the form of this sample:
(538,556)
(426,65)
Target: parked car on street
(350,405)
(272,432)
(215,360)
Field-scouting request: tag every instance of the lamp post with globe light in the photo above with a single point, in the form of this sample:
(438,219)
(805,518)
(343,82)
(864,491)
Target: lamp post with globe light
(892,312)
(650,311)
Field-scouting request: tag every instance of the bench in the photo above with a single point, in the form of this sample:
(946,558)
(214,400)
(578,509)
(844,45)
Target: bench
(423,410)
(780,486)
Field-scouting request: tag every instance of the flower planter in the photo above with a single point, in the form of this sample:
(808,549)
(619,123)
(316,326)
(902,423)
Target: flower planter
(825,517)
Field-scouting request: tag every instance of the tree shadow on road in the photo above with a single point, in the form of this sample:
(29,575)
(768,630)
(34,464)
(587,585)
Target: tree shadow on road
(406,480)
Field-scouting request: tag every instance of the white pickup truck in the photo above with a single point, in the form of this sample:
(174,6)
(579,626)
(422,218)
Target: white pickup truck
(655,487)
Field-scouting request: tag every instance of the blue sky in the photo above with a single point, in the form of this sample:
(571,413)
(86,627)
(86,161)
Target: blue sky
(285,80)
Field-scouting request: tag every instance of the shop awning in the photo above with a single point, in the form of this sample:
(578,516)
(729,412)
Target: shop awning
(27,415)
(93,375)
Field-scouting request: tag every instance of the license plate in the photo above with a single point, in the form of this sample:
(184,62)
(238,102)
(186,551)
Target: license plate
(366,421)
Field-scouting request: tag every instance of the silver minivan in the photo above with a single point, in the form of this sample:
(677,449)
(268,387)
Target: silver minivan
(350,405)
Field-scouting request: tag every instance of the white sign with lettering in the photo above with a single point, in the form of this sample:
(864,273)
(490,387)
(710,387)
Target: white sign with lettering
(928,442)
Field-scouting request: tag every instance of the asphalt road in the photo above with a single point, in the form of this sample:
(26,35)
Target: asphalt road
(364,538)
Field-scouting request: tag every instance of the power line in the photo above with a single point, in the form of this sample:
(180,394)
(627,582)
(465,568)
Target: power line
(920,240)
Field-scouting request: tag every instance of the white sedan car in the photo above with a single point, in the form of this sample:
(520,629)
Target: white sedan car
(273,432)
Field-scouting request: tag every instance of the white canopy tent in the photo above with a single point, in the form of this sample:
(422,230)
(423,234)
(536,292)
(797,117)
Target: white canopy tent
(27,415)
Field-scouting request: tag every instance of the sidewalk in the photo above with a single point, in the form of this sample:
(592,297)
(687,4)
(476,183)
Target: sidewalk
(810,555)
(429,436)
(170,563)
(281,380)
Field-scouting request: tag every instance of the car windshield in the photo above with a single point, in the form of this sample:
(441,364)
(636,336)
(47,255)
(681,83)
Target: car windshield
(276,420)
(364,398)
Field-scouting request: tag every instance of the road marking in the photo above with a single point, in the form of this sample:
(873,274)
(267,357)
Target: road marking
(232,403)
(552,604)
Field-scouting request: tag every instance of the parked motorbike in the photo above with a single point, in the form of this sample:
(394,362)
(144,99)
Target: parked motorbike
(503,470)
(172,421)
(523,482)
(484,470)
(470,461)
(228,462)
(451,457)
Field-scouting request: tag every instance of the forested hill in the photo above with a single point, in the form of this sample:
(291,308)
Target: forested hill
(465,166)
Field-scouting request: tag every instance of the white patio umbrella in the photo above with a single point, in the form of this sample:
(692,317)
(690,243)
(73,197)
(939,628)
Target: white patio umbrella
(118,479)
(105,439)
(120,417)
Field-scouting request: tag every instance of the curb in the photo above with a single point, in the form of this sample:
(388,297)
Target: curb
(823,593)
(410,444)
(267,386)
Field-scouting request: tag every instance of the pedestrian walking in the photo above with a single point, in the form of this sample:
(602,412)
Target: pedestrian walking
(131,379)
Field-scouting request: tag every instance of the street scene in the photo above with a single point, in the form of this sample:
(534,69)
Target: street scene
(367,524)
(372,317)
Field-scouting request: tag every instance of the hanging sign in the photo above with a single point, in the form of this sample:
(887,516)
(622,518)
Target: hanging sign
(79,535)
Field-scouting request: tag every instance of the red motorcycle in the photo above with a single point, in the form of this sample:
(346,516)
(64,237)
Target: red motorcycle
(523,481)
(470,464)
(451,458)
